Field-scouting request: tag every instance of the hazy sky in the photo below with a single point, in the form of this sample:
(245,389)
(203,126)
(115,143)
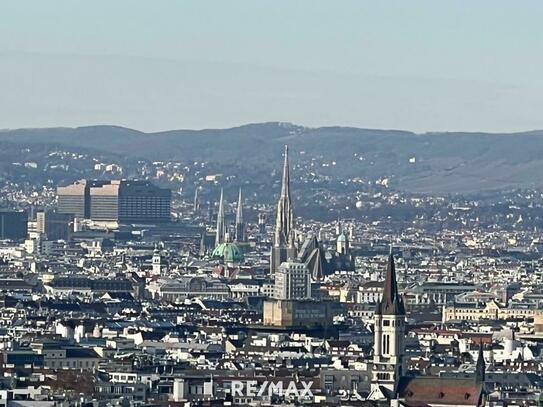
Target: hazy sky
(164,64)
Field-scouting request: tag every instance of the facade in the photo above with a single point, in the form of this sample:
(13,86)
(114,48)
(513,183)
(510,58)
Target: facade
(137,201)
(104,202)
(369,293)
(284,248)
(54,225)
(188,287)
(490,311)
(292,282)
(439,293)
(298,313)
(538,322)
(75,198)
(116,201)
(66,357)
(13,224)
(87,286)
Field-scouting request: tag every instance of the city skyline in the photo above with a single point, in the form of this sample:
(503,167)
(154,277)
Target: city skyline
(301,248)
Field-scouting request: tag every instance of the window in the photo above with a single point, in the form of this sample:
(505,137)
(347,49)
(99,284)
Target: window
(386,344)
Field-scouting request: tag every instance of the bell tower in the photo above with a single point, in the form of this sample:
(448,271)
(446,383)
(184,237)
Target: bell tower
(389,332)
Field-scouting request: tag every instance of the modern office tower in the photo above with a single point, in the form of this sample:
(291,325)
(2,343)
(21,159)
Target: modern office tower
(389,333)
(292,282)
(115,201)
(104,202)
(54,225)
(143,202)
(220,232)
(75,198)
(284,243)
(241,235)
(13,224)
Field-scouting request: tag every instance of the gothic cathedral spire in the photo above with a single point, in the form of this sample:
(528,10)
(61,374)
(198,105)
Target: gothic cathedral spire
(220,234)
(240,224)
(283,245)
(284,222)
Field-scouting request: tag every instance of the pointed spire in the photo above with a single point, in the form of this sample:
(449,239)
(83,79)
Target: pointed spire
(196,201)
(480,367)
(284,222)
(239,209)
(220,235)
(392,302)
(240,225)
(285,186)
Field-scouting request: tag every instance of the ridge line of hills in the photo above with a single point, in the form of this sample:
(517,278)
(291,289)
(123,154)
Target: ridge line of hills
(433,162)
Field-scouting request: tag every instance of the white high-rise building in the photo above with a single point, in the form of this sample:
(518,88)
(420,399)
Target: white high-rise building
(292,281)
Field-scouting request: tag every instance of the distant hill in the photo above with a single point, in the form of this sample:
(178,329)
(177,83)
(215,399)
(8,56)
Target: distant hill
(431,162)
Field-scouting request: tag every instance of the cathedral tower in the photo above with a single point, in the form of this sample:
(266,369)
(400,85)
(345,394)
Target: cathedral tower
(283,245)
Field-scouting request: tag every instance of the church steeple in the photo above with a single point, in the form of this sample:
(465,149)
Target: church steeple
(391,302)
(284,228)
(480,367)
(240,225)
(220,234)
(389,332)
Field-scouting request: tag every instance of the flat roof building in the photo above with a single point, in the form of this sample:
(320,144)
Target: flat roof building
(54,225)
(122,201)
(13,224)
(130,202)
(75,198)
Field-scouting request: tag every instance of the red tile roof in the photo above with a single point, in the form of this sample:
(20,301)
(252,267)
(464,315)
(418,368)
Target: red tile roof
(444,391)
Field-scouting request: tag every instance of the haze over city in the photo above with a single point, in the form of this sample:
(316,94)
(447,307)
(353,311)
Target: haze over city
(417,65)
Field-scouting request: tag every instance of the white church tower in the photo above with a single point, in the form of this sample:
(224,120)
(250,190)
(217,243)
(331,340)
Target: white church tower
(159,263)
(389,332)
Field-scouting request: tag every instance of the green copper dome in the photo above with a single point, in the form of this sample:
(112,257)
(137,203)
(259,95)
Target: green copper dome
(228,253)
